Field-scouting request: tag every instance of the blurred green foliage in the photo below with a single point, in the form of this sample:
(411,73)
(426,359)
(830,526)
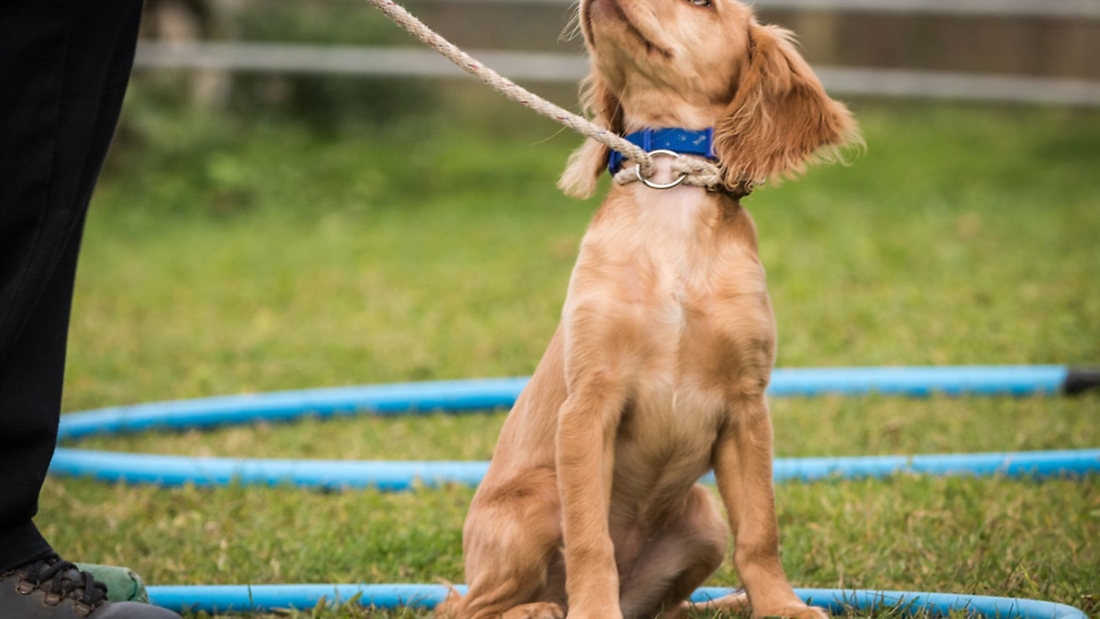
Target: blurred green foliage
(325,101)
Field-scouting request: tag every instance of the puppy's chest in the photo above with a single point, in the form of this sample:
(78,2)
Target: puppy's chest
(696,293)
(685,288)
(673,254)
(679,278)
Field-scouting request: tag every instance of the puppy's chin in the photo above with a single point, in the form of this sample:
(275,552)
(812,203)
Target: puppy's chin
(619,28)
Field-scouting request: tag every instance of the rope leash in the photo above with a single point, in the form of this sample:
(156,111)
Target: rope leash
(694,171)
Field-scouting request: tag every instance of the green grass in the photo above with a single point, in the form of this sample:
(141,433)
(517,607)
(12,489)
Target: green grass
(226,255)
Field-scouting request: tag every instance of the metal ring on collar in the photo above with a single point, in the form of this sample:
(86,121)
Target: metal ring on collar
(667,153)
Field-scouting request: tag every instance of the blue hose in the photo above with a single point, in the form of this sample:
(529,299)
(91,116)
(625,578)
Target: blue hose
(262,598)
(481,394)
(405,475)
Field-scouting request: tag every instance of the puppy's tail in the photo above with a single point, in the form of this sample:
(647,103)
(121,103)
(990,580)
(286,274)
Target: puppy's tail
(481,604)
(448,608)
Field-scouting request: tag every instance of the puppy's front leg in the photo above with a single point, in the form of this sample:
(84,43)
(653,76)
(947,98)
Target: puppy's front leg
(743,471)
(587,424)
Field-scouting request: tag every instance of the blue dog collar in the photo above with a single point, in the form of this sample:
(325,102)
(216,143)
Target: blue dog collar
(682,141)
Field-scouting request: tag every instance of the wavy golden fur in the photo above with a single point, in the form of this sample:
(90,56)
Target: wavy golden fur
(658,369)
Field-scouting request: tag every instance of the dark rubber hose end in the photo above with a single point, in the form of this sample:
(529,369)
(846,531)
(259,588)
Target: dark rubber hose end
(1079,381)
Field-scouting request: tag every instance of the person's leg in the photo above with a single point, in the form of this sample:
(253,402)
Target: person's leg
(64,67)
(30,399)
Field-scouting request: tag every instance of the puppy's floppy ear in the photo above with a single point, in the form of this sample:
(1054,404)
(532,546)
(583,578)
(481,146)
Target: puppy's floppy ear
(780,117)
(585,165)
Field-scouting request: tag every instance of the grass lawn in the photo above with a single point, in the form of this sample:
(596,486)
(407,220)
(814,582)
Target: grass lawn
(231,255)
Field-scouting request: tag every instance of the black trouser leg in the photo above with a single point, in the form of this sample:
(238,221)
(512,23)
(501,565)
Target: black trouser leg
(64,67)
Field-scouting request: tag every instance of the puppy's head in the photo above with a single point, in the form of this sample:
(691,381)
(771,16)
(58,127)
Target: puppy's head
(700,63)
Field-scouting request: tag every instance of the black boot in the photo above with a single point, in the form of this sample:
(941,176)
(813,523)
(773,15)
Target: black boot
(52,588)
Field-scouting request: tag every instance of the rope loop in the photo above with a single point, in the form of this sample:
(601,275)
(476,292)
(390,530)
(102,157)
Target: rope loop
(694,171)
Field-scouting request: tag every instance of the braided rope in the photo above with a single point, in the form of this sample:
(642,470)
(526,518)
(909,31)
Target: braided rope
(696,171)
(700,173)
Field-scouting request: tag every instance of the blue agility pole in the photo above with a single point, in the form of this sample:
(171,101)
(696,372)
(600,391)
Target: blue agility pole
(406,475)
(265,598)
(387,399)
(481,394)
(327,474)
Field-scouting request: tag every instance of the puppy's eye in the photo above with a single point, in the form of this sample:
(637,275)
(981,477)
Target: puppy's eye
(700,2)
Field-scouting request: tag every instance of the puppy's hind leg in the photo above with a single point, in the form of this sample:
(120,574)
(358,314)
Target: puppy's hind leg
(511,541)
